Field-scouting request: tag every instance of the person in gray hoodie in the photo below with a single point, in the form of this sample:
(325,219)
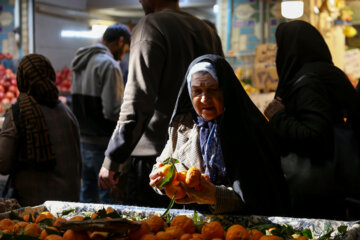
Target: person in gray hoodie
(97,94)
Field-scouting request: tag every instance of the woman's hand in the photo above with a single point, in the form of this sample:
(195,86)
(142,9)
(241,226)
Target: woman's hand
(207,194)
(274,106)
(155,177)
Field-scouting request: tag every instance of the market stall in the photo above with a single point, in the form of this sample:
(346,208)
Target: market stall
(92,213)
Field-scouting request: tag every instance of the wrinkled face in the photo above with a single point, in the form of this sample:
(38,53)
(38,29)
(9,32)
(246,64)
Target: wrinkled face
(148,6)
(206,96)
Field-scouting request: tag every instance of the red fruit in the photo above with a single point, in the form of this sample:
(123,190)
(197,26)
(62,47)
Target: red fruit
(5,101)
(12,88)
(6,84)
(2,89)
(13,82)
(1,95)
(9,95)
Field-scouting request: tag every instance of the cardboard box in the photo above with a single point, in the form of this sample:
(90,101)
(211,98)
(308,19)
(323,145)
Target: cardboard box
(265,74)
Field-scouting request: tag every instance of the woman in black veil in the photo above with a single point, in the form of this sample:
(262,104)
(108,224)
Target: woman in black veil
(217,128)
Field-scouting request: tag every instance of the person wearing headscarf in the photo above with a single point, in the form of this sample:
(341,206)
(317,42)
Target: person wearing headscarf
(216,128)
(312,96)
(39,140)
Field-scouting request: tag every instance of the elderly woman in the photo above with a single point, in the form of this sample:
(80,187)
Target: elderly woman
(39,140)
(216,128)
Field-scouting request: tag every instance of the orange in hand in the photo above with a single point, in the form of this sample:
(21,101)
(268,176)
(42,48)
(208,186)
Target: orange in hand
(174,189)
(193,177)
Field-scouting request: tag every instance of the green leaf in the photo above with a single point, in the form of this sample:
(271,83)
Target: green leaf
(307,233)
(171,204)
(15,216)
(328,231)
(50,231)
(114,214)
(342,229)
(46,222)
(102,213)
(66,212)
(170,160)
(169,177)
(30,218)
(263,227)
(196,217)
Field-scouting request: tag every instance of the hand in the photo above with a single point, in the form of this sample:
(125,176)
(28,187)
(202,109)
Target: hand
(107,178)
(155,178)
(207,194)
(274,106)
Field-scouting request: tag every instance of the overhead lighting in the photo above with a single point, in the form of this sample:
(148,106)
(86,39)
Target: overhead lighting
(96,32)
(292,8)
(216,8)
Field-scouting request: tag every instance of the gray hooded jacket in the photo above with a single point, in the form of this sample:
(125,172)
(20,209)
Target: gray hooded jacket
(97,92)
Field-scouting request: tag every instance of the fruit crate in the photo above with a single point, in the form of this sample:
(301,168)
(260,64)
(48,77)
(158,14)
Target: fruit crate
(317,226)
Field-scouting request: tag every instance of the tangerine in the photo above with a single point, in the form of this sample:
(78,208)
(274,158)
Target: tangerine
(32,229)
(302,238)
(184,222)
(53,237)
(27,218)
(186,236)
(181,176)
(163,235)
(174,189)
(156,223)
(44,215)
(197,236)
(193,177)
(58,221)
(237,232)
(255,234)
(175,231)
(212,230)
(165,171)
(77,218)
(148,237)
(20,225)
(144,229)
(6,224)
(270,237)
(75,235)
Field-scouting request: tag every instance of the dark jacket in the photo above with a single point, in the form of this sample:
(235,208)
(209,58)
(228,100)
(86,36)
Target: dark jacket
(317,97)
(163,44)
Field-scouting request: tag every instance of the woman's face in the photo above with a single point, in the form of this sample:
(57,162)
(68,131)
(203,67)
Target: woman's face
(206,96)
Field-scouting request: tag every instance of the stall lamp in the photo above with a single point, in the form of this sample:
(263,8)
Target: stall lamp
(292,8)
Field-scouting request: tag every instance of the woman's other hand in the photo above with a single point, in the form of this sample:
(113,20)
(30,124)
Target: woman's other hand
(274,106)
(206,195)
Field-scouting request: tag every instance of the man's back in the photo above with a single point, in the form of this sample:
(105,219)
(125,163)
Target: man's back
(94,67)
(162,47)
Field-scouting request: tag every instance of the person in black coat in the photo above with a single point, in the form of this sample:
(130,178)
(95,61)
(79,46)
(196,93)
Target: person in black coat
(312,97)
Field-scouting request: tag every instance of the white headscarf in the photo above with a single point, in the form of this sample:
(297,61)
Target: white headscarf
(201,67)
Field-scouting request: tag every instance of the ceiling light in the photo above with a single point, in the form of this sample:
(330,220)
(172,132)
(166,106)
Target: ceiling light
(292,8)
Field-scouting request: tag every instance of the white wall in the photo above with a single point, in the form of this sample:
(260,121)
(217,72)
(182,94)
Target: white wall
(77,4)
(49,42)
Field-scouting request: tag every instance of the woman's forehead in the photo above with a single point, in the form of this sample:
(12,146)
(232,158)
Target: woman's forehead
(203,79)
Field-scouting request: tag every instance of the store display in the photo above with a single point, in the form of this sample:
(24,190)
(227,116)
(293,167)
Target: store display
(63,79)
(150,222)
